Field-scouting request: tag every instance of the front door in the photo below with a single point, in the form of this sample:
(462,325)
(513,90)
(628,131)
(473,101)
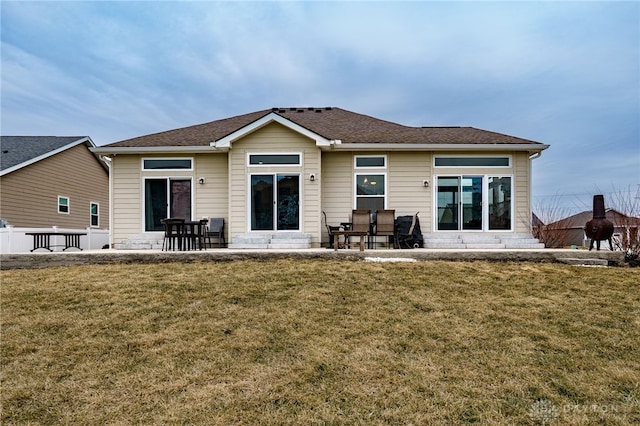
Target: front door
(459,203)
(275,202)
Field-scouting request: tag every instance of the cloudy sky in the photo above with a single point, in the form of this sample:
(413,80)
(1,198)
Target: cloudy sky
(561,73)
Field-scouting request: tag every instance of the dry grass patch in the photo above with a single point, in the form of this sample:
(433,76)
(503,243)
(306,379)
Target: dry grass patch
(321,342)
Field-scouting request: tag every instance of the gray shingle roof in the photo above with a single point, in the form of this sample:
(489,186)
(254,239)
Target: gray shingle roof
(331,123)
(15,150)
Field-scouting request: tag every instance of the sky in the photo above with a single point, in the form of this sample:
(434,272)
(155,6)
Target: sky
(562,73)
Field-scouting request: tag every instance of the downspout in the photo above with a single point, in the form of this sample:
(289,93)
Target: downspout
(530,209)
(107,161)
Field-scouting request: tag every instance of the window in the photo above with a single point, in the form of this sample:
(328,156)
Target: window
(472,161)
(166,197)
(63,204)
(370,186)
(370,162)
(274,159)
(370,191)
(499,203)
(94,214)
(167,164)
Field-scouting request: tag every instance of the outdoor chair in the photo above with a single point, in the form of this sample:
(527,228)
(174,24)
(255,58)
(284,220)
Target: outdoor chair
(173,234)
(331,229)
(385,224)
(361,221)
(215,230)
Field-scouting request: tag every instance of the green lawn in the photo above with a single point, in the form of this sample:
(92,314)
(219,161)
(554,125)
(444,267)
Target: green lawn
(321,342)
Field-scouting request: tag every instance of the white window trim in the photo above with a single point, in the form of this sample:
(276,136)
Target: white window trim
(355,187)
(509,156)
(144,194)
(485,204)
(68,204)
(355,162)
(166,158)
(299,154)
(91,203)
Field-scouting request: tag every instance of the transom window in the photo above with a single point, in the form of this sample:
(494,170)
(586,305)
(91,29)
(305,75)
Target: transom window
(370,162)
(455,161)
(167,164)
(275,159)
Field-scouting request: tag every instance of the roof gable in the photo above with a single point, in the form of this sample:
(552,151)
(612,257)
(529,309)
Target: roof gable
(20,151)
(272,117)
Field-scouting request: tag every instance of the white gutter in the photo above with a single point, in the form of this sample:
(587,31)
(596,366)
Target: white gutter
(154,149)
(537,148)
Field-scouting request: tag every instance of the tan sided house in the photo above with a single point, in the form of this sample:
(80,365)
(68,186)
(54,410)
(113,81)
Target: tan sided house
(270,174)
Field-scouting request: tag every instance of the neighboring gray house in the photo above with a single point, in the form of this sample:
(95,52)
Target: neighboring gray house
(570,230)
(50,181)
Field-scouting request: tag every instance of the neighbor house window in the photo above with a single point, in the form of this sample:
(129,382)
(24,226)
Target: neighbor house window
(63,204)
(455,161)
(275,159)
(94,214)
(167,164)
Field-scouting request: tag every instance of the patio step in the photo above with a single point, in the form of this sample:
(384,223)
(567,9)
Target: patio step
(481,242)
(285,241)
(584,262)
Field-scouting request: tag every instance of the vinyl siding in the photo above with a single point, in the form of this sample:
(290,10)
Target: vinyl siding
(277,139)
(209,199)
(29,196)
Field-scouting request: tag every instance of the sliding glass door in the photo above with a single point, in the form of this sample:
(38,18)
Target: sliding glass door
(473,203)
(275,202)
(163,198)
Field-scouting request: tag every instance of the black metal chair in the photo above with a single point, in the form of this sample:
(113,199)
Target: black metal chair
(330,230)
(173,234)
(215,230)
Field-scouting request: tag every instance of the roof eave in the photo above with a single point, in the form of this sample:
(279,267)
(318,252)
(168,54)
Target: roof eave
(531,148)
(155,150)
(83,140)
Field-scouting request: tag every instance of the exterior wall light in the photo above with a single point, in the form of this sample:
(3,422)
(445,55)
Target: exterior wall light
(312,177)
(425,183)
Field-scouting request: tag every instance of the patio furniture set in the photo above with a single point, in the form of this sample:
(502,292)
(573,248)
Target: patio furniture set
(182,235)
(403,231)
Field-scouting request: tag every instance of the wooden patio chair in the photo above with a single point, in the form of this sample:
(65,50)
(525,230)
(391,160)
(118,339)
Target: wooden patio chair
(361,221)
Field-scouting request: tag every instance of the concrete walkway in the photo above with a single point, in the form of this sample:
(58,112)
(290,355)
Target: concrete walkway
(92,257)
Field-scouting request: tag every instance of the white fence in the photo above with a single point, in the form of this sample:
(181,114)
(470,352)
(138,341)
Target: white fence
(15,240)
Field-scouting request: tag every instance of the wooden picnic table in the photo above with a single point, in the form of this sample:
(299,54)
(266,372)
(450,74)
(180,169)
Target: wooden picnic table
(43,240)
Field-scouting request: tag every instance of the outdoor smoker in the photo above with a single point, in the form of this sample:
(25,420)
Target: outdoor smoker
(599,228)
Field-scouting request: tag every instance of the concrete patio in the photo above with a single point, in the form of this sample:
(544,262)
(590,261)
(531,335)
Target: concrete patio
(115,257)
